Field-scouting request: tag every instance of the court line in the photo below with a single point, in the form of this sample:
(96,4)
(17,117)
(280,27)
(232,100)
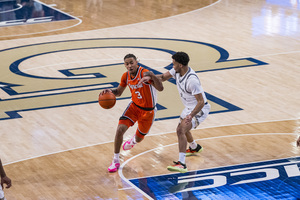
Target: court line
(238,124)
(53,30)
(122,166)
(6,11)
(275,54)
(120,171)
(154,20)
(184,178)
(57,152)
(91,145)
(80,21)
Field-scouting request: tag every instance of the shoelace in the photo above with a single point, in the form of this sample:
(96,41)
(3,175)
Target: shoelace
(179,163)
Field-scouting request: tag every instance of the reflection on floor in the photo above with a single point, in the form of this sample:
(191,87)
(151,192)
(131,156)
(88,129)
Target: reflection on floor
(265,180)
(14,13)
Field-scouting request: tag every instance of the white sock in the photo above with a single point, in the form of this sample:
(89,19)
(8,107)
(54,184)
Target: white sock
(133,141)
(1,193)
(193,145)
(182,157)
(116,157)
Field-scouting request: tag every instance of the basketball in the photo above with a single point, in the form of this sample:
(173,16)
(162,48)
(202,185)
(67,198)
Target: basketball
(107,100)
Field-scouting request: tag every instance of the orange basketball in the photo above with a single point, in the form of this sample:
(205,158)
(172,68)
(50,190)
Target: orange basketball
(107,100)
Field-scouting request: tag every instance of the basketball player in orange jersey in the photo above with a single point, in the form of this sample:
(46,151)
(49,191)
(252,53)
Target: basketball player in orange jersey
(141,109)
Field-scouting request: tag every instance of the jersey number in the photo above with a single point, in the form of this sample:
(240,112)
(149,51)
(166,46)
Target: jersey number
(139,96)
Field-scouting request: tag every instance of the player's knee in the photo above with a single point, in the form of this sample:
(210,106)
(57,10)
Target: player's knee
(121,129)
(180,130)
(140,136)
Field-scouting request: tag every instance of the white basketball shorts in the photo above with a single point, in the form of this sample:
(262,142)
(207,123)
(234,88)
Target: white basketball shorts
(198,118)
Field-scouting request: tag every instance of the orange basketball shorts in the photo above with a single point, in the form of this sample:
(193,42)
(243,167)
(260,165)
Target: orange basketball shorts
(134,114)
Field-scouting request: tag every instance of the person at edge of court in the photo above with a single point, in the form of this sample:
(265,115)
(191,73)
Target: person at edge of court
(141,108)
(4,180)
(196,107)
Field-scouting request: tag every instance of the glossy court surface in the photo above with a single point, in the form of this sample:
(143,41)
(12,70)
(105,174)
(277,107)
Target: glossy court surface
(56,56)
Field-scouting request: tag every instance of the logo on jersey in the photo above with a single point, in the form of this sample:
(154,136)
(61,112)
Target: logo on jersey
(25,90)
(135,86)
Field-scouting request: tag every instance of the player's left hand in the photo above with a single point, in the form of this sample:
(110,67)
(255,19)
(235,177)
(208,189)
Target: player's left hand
(188,119)
(7,181)
(144,79)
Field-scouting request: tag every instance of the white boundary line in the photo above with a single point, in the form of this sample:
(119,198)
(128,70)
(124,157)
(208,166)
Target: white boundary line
(90,145)
(6,11)
(218,137)
(56,152)
(274,54)
(225,125)
(80,21)
(53,30)
(122,166)
(237,170)
(164,17)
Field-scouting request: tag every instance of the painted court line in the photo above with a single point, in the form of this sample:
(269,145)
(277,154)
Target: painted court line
(227,136)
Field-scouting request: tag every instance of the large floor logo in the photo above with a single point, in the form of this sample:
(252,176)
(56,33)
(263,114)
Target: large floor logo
(27,91)
(276,179)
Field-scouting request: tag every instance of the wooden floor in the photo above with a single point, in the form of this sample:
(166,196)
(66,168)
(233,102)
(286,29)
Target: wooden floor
(56,142)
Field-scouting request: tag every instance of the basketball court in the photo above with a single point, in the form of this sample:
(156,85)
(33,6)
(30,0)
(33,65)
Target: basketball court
(57,55)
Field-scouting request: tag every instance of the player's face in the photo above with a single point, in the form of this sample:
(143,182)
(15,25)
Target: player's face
(177,66)
(131,65)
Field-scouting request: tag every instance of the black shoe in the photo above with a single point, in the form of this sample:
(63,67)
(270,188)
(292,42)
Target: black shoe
(191,151)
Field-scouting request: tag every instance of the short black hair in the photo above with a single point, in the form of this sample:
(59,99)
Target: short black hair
(181,57)
(130,55)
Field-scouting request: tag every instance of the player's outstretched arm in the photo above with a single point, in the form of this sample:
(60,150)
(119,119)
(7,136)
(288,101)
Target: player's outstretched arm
(165,76)
(156,82)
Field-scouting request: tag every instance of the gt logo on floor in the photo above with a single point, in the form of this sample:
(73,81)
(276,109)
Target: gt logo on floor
(26,21)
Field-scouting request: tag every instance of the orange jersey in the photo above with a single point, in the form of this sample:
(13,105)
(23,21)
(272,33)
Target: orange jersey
(143,95)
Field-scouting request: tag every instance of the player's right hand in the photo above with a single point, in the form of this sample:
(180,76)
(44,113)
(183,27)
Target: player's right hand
(105,91)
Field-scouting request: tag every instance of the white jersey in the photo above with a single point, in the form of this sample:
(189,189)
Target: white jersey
(188,86)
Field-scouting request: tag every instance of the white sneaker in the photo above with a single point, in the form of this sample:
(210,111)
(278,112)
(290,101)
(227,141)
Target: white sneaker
(128,144)
(1,194)
(113,167)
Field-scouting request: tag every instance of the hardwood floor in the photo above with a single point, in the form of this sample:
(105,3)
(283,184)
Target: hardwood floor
(57,142)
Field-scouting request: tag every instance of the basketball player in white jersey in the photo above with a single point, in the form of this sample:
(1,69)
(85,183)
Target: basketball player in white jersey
(4,180)
(196,107)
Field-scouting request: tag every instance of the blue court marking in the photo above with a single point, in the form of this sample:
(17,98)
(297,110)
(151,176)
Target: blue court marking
(14,14)
(274,179)
(14,67)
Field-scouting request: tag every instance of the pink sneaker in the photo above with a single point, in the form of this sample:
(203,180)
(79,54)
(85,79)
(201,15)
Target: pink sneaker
(128,144)
(113,167)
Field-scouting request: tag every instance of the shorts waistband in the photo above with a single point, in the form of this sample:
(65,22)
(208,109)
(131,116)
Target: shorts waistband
(147,109)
